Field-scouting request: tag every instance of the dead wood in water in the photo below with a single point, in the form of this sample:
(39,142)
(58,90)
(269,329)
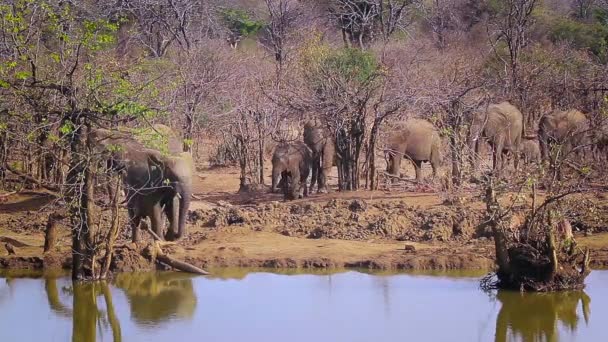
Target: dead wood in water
(544,256)
(160,256)
(178,265)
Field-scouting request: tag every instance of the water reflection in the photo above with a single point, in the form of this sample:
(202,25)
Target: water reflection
(534,317)
(345,306)
(158,297)
(86,314)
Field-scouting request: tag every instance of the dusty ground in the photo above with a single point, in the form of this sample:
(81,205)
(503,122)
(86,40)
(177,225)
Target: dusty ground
(379,230)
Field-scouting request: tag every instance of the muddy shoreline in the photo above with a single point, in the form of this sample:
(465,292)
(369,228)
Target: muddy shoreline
(406,233)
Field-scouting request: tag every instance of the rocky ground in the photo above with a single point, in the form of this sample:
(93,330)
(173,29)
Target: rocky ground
(377,230)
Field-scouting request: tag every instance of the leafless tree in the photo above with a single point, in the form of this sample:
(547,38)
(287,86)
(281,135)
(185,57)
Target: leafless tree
(282,17)
(362,20)
(512,24)
(583,8)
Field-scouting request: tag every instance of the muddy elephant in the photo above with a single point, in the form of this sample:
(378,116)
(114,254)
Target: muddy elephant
(155,183)
(418,141)
(501,125)
(530,151)
(291,165)
(323,150)
(566,128)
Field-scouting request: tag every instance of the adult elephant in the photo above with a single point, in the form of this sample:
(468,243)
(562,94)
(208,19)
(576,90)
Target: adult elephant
(291,164)
(501,125)
(321,143)
(155,182)
(568,128)
(419,142)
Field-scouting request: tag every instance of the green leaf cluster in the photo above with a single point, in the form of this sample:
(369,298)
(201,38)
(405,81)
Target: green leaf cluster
(240,22)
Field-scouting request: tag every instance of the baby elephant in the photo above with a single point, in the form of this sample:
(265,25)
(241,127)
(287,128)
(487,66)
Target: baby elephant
(291,162)
(530,150)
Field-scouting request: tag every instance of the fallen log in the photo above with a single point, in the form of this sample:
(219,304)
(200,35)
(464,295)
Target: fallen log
(14,242)
(31,179)
(169,261)
(8,194)
(178,265)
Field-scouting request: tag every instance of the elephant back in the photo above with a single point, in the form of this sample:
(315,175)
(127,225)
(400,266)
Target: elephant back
(504,120)
(561,124)
(418,139)
(160,137)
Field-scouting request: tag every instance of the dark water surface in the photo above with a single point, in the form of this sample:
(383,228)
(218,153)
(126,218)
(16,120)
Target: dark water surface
(237,305)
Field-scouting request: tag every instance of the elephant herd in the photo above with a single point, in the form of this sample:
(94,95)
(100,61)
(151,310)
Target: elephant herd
(500,125)
(158,180)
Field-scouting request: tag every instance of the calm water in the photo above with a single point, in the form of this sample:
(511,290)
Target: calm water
(236,306)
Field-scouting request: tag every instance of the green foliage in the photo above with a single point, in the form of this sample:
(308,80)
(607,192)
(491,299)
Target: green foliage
(240,22)
(352,64)
(350,67)
(66,128)
(592,37)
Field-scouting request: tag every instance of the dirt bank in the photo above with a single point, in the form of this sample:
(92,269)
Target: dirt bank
(375,230)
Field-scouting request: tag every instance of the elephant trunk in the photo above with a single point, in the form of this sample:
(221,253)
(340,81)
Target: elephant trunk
(184,204)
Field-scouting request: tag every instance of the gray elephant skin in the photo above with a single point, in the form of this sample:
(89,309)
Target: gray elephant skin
(568,128)
(291,165)
(154,182)
(530,151)
(501,125)
(323,150)
(418,141)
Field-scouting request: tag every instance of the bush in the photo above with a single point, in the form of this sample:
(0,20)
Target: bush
(592,37)
(239,22)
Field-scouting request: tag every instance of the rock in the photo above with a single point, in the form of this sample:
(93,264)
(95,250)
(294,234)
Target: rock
(224,204)
(409,248)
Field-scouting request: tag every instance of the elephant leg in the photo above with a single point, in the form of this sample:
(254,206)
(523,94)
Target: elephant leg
(314,179)
(156,219)
(418,168)
(322,179)
(135,221)
(435,166)
(295,184)
(276,174)
(172,212)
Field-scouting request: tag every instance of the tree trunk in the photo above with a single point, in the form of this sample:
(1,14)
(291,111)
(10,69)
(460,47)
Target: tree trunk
(50,237)
(79,202)
(456,158)
(500,240)
(113,233)
(261,154)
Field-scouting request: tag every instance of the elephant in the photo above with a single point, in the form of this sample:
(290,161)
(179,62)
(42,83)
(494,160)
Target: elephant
(291,162)
(568,128)
(530,151)
(418,141)
(600,140)
(323,150)
(501,125)
(158,297)
(154,182)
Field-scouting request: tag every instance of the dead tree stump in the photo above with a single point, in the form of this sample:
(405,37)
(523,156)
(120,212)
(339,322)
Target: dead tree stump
(50,237)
